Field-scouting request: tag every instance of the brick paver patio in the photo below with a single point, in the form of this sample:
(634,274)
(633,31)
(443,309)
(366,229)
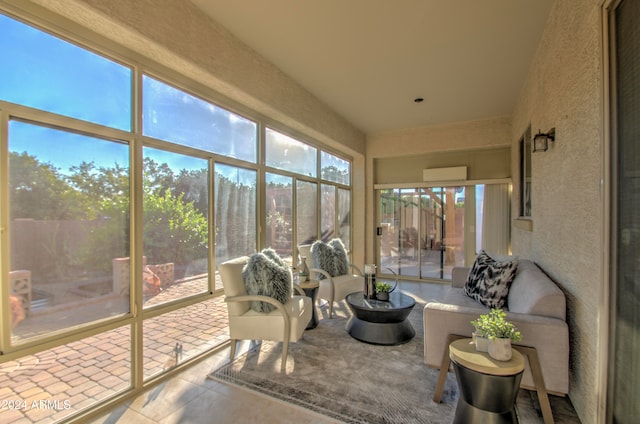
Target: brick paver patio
(53,385)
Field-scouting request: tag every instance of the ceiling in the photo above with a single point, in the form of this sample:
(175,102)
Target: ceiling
(369,59)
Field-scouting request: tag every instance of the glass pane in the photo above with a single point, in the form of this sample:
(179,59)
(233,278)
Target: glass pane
(307,212)
(432,231)
(48,73)
(279,214)
(443,225)
(525,173)
(177,336)
(55,384)
(235,199)
(344,217)
(284,152)
(408,240)
(328,210)
(335,169)
(422,231)
(176,229)
(69,221)
(174,115)
(388,237)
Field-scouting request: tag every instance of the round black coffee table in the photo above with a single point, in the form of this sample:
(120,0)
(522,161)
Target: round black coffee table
(381,322)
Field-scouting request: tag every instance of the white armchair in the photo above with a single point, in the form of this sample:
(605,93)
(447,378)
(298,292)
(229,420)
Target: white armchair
(285,323)
(333,289)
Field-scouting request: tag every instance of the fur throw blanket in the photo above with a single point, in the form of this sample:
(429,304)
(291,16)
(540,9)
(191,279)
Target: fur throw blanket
(266,274)
(330,257)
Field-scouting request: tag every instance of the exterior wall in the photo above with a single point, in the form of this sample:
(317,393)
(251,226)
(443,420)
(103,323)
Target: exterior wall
(564,90)
(455,138)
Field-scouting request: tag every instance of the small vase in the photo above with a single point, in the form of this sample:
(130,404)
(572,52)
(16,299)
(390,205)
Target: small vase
(500,349)
(482,343)
(384,296)
(303,269)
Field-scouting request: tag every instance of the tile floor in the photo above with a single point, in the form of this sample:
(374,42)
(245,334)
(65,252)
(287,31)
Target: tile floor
(192,398)
(189,397)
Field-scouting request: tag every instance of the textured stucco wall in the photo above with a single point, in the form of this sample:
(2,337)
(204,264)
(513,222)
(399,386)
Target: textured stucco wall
(460,136)
(564,90)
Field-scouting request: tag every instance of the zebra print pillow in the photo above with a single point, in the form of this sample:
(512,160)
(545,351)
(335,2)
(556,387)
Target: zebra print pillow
(489,280)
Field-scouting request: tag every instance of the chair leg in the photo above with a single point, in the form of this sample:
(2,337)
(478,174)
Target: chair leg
(285,351)
(233,349)
(330,310)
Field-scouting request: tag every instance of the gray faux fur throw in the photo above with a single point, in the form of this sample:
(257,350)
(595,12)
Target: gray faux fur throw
(330,257)
(266,274)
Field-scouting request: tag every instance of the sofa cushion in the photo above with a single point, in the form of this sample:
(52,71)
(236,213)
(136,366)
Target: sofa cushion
(266,274)
(533,292)
(489,280)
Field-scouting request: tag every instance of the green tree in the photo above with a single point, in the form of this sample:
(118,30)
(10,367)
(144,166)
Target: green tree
(38,191)
(175,231)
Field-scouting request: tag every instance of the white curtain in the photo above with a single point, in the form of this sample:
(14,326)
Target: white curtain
(496,219)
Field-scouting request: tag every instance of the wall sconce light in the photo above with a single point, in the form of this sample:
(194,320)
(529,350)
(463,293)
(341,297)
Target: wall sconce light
(541,140)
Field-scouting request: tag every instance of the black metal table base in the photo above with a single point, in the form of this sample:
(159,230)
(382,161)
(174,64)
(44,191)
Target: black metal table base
(485,398)
(380,333)
(312,292)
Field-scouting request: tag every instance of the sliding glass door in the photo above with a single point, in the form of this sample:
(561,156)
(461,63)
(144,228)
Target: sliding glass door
(425,232)
(421,231)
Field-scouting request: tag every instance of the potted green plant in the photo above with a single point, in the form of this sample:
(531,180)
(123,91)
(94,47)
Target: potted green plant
(500,333)
(382,290)
(481,333)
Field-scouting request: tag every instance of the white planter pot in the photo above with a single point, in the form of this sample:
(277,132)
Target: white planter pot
(500,349)
(482,343)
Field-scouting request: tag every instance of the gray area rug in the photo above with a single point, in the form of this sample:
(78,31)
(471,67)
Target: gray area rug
(337,376)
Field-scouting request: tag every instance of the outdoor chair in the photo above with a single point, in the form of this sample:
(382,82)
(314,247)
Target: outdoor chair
(332,288)
(285,323)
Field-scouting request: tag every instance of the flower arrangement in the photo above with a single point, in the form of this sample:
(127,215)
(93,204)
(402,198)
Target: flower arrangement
(494,326)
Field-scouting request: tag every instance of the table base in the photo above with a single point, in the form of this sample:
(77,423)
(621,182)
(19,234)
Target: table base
(380,333)
(486,398)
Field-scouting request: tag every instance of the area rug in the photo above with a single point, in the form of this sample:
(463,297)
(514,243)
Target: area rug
(337,376)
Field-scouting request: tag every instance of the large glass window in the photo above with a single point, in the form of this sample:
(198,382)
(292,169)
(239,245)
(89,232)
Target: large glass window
(289,154)
(83,201)
(176,229)
(307,212)
(67,379)
(525,174)
(334,168)
(235,199)
(174,115)
(69,222)
(61,77)
(279,210)
(344,217)
(328,212)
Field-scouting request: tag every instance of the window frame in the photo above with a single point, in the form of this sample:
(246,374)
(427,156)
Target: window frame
(140,66)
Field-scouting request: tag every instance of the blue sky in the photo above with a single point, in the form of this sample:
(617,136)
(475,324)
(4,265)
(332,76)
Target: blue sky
(48,73)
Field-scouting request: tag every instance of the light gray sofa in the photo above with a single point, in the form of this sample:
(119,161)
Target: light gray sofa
(535,304)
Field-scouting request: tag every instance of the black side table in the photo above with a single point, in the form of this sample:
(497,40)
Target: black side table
(310,289)
(488,388)
(380,322)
